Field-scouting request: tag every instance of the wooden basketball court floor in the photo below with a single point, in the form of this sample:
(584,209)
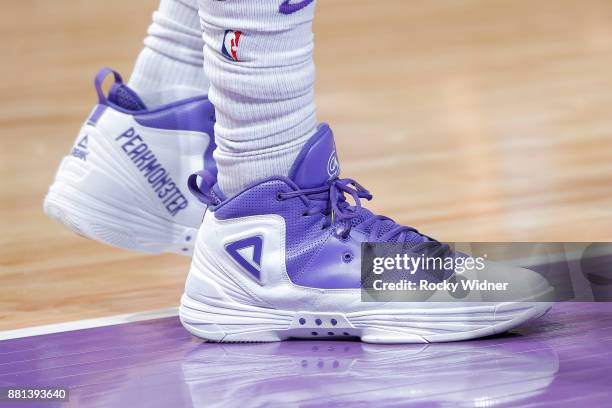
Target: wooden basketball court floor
(472,120)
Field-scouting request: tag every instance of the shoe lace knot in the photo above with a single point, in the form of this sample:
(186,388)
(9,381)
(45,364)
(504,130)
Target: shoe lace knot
(331,200)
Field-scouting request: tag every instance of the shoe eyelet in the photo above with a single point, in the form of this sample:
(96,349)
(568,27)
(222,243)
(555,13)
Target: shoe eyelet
(343,238)
(347,256)
(279,196)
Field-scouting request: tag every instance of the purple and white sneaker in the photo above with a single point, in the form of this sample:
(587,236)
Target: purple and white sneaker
(124,181)
(282,259)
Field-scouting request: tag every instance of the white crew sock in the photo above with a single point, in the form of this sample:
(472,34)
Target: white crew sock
(169,67)
(262,89)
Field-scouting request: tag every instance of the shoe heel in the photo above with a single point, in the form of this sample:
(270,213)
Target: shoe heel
(115,224)
(95,196)
(220,321)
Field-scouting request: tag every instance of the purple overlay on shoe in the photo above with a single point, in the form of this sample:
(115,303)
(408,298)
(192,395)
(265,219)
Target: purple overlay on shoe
(561,360)
(195,114)
(323,231)
(325,234)
(317,162)
(191,114)
(250,264)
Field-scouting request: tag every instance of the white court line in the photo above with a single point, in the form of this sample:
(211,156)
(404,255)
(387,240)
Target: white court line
(88,323)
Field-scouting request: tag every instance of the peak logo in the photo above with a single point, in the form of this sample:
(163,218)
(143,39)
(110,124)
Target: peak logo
(333,165)
(231,41)
(289,7)
(247,252)
(80,151)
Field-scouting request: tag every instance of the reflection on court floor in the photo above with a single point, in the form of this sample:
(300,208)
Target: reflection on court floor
(562,358)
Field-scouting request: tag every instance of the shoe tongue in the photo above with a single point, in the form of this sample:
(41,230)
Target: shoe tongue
(317,162)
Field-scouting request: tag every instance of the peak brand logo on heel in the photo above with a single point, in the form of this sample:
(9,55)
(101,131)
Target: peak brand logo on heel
(156,175)
(80,150)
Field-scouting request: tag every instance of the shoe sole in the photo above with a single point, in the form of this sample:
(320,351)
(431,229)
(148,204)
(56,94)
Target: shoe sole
(218,320)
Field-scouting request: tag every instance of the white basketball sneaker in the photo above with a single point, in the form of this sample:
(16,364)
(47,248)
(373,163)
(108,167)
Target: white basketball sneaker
(282,259)
(124,181)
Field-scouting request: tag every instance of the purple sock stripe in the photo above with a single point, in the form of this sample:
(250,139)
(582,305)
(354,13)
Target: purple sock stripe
(286,7)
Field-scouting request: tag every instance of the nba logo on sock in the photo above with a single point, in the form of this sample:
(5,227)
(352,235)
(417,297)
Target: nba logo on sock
(231,39)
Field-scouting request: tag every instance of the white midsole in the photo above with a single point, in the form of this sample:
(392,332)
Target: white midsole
(222,320)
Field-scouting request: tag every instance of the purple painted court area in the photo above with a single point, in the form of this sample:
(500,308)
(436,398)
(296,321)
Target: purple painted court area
(562,359)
